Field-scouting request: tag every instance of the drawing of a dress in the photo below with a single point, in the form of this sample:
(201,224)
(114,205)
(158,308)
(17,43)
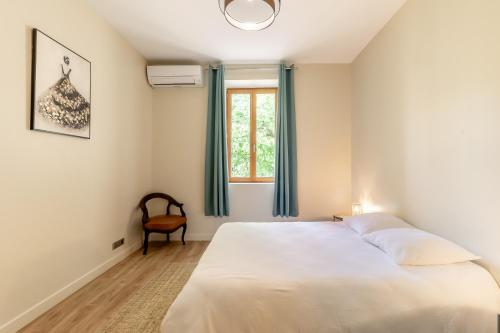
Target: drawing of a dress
(63,105)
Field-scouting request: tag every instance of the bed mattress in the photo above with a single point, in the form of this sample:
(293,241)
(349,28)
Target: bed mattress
(322,277)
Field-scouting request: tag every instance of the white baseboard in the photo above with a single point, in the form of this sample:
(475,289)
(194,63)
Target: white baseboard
(41,307)
(193,236)
(177,236)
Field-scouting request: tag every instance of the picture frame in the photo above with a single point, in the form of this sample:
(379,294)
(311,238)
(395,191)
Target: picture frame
(60,88)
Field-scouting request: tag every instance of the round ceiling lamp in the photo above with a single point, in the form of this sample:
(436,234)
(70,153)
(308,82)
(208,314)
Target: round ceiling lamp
(251,15)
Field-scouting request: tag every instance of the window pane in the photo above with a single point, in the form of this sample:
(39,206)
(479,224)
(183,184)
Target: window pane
(240,135)
(266,134)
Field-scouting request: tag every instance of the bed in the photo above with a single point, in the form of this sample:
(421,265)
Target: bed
(322,277)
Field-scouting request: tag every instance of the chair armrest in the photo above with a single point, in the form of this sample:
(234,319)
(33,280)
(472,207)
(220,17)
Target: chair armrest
(168,198)
(145,213)
(177,204)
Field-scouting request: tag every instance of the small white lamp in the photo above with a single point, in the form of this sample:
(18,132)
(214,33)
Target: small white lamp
(357,209)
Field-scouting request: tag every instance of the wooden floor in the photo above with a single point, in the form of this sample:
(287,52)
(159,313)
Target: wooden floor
(92,306)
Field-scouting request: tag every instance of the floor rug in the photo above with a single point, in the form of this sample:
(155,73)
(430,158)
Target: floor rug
(145,310)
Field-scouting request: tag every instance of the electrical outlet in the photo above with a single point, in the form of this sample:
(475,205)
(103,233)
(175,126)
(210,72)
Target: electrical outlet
(118,243)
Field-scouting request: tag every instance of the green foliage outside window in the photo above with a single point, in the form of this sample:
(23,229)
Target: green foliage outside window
(240,135)
(265,134)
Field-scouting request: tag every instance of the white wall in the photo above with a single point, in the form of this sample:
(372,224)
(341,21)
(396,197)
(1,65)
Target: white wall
(426,116)
(64,200)
(323,140)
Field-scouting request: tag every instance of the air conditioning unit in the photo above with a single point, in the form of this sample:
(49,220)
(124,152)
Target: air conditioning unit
(175,76)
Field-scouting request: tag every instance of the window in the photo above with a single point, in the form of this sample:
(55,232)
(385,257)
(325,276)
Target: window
(251,119)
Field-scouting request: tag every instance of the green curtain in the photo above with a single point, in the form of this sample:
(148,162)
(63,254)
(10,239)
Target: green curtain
(216,175)
(285,183)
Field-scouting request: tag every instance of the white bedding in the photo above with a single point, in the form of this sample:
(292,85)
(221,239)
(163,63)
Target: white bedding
(322,277)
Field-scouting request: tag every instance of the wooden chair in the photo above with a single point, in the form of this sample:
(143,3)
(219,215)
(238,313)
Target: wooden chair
(164,224)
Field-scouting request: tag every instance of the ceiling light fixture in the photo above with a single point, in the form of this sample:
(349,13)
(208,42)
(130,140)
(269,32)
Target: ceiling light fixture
(251,15)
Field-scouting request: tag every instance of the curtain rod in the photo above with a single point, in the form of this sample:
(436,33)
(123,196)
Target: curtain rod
(251,67)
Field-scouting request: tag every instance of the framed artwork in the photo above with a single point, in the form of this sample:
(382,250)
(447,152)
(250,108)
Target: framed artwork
(60,89)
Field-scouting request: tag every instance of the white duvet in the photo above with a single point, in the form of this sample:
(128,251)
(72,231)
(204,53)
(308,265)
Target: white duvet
(322,277)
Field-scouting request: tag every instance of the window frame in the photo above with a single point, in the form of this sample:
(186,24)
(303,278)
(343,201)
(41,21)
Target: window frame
(253,92)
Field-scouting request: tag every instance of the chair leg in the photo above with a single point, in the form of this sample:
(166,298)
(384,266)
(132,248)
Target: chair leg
(146,242)
(184,227)
(168,238)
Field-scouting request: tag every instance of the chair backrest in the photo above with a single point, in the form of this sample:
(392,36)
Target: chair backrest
(171,201)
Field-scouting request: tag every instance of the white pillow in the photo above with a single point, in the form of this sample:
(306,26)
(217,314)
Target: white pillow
(416,247)
(366,223)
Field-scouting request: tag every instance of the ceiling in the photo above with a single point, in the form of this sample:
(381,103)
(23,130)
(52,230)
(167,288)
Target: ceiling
(195,31)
